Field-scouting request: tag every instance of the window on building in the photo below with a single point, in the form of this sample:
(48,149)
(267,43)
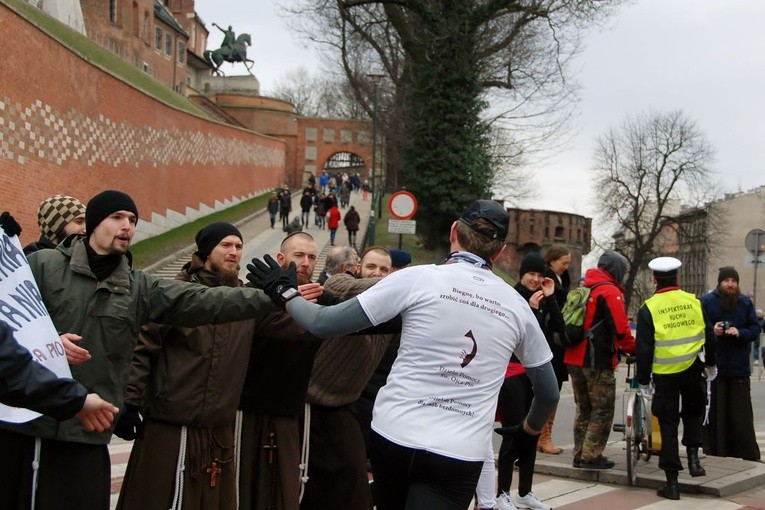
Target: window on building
(113,11)
(559,231)
(168,44)
(145,32)
(136,20)
(158,38)
(181,52)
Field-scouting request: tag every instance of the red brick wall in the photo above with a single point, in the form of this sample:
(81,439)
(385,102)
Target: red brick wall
(354,136)
(68,127)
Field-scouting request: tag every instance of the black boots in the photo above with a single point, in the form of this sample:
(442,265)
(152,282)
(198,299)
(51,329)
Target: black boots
(694,466)
(670,490)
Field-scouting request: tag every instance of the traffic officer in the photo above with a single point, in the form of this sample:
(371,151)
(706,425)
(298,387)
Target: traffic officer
(673,337)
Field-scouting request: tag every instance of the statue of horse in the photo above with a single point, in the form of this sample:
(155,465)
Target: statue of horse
(237,53)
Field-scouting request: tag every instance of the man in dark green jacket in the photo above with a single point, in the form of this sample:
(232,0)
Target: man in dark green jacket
(89,288)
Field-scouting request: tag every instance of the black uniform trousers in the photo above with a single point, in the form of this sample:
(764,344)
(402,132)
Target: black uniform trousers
(690,387)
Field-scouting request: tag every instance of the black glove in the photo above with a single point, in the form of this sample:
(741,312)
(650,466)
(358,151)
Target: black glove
(129,425)
(278,284)
(9,224)
(524,444)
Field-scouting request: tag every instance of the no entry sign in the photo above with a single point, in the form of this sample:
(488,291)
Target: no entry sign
(402,205)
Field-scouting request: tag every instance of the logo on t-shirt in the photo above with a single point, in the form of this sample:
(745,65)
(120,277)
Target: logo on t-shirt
(467,358)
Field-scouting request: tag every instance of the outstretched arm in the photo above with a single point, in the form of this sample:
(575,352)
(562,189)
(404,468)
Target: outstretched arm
(97,414)
(26,383)
(328,321)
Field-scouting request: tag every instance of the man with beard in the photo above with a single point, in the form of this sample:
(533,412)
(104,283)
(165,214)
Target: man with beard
(337,467)
(730,432)
(89,288)
(274,394)
(273,398)
(185,382)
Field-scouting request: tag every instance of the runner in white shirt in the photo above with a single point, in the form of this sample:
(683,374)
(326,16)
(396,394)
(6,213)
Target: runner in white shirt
(461,323)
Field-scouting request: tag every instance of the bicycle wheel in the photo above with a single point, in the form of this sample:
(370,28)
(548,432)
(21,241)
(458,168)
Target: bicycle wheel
(634,440)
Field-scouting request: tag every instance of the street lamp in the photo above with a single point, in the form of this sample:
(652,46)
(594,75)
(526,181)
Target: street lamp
(375,79)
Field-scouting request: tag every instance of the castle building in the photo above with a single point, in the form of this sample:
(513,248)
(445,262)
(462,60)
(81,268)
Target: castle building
(536,230)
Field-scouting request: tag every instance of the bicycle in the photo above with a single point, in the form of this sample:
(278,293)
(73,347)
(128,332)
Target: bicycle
(637,425)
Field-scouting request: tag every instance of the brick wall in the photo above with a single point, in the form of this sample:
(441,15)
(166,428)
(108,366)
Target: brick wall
(536,230)
(320,139)
(69,127)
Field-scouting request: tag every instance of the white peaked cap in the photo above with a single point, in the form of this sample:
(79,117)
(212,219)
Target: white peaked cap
(664,265)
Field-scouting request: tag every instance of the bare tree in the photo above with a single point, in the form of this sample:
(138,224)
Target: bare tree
(649,171)
(319,95)
(446,61)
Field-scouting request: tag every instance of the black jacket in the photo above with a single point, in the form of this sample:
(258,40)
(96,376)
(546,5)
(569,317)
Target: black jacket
(41,244)
(26,383)
(551,322)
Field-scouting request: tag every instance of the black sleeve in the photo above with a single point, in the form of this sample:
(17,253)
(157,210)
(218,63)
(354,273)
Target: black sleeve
(555,317)
(26,383)
(644,345)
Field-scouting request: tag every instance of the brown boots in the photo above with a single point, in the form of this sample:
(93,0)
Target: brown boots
(546,444)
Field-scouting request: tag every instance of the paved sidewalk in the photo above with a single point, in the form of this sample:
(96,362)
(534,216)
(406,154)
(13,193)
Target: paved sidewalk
(260,238)
(725,476)
(263,239)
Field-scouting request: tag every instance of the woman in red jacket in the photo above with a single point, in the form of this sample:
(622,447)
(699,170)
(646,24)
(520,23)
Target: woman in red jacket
(333,221)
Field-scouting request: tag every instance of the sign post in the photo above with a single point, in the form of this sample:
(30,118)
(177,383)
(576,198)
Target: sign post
(755,243)
(402,205)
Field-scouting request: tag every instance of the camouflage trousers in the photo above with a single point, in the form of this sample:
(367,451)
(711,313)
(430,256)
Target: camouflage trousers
(594,394)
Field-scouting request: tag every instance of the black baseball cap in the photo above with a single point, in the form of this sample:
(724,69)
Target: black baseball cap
(490,211)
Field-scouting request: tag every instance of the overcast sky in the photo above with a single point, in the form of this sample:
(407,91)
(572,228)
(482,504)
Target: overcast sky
(702,56)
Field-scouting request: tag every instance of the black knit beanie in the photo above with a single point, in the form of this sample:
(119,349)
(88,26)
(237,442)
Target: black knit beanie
(727,272)
(209,237)
(106,203)
(533,262)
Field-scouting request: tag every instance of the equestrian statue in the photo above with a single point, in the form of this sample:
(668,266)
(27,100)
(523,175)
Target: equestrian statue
(232,49)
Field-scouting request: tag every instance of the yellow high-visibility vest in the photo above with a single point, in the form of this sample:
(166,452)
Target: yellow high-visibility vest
(679,330)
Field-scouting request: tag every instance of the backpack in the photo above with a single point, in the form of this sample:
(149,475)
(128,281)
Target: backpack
(573,316)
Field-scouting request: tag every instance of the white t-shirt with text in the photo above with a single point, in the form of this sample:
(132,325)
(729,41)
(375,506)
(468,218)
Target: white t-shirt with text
(461,324)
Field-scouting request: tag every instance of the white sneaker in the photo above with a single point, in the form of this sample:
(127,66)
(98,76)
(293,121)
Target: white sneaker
(504,502)
(530,501)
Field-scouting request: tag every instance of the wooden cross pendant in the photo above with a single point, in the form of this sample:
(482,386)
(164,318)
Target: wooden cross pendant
(213,471)
(271,447)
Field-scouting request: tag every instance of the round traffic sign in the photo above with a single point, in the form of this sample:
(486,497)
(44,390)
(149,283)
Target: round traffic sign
(755,241)
(402,205)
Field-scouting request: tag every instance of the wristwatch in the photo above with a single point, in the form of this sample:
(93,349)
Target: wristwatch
(288,293)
